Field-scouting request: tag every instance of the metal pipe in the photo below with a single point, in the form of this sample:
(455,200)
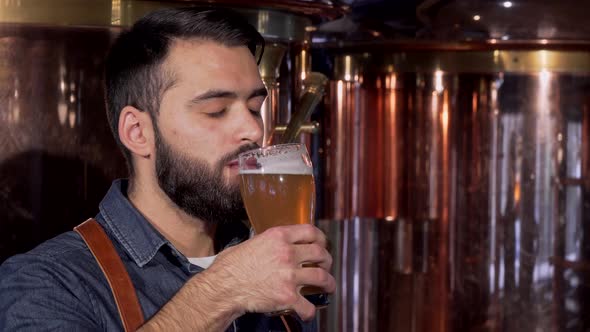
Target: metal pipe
(313,93)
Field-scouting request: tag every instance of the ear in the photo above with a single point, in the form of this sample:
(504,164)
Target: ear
(136,131)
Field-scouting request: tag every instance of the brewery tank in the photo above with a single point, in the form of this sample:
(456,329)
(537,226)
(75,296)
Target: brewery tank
(456,192)
(452,162)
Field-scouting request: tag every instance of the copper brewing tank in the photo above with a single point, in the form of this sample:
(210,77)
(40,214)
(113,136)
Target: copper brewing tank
(453,168)
(457,187)
(456,169)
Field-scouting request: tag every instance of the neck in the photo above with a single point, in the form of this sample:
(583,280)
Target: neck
(193,237)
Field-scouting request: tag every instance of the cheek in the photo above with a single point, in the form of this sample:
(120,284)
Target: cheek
(195,129)
(209,128)
(204,142)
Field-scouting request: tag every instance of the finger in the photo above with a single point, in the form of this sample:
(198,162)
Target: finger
(313,254)
(317,277)
(306,233)
(304,309)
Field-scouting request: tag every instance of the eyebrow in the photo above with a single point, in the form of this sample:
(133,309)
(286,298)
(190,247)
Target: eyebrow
(260,92)
(213,94)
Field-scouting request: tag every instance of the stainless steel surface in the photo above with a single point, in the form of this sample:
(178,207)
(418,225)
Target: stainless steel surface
(354,244)
(488,171)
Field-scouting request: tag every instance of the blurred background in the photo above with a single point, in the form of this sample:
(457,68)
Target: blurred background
(450,143)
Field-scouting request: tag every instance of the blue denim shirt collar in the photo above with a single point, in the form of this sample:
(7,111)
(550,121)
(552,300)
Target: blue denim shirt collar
(139,238)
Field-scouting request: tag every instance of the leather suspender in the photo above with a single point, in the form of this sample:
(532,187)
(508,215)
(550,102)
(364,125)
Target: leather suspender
(111,265)
(123,291)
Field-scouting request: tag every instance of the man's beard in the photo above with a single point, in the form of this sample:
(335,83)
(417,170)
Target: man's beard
(197,189)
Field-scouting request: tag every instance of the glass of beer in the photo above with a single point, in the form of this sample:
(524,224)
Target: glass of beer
(278,189)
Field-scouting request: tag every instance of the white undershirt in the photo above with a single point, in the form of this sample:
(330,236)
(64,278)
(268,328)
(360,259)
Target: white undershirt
(203,262)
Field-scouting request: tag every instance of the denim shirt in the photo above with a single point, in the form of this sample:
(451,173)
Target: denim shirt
(59,286)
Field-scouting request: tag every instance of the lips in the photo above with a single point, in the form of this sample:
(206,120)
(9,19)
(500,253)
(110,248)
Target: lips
(251,163)
(233,163)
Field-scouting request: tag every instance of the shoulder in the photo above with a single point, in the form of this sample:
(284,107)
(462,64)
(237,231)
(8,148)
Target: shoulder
(67,248)
(62,262)
(61,246)
(50,283)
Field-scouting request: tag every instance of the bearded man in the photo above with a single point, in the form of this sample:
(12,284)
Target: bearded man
(183,96)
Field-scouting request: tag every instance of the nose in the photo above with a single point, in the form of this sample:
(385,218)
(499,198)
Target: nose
(249,126)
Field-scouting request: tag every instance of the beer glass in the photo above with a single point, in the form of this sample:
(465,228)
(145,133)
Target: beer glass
(278,189)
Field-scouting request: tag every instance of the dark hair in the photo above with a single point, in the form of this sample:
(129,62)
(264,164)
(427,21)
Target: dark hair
(133,71)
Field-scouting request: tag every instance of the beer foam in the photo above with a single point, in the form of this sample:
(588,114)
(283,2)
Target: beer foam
(286,167)
(278,159)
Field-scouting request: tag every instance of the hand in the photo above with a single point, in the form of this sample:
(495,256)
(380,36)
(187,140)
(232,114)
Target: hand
(266,273)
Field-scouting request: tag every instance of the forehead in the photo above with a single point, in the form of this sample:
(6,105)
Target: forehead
(206,64)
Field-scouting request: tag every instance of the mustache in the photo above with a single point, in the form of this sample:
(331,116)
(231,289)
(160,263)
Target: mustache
(234,155)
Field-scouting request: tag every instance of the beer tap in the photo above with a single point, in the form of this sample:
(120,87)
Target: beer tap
(314,85)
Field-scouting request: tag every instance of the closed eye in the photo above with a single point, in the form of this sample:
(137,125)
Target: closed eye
(255,104)
(217,115)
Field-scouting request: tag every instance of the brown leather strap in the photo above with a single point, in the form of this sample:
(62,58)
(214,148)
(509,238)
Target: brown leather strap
(291,324)
(111,265)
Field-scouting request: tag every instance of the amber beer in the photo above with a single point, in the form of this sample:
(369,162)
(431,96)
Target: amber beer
(278,199)
(278,189)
